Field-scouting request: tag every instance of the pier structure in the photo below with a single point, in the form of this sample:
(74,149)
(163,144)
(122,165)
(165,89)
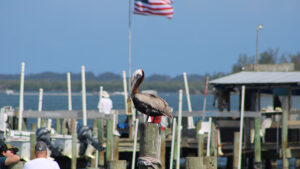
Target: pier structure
(270,133)
(272,124)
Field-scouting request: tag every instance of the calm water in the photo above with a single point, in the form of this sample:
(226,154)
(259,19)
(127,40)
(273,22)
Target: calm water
(60,102)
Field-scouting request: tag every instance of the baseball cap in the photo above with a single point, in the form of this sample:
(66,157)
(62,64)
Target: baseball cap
(40,146)
(12,148)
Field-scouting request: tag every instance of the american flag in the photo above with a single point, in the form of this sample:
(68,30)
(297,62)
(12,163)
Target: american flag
(154,7)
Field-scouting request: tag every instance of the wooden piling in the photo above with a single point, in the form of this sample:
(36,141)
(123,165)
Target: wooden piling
(21,98)
(100,123)
(179,130)
(64,126)
(33,128)
(200,139)
(200,145)
(286,101)
(214,140)
(32,145)
(43,122)
(116,164)
(40,105)
(58,126)
(115,147)
(236,145)
(194,163)
(74,144)
(150,145)
(257,143)
(94,161)
(163,149)
(173,143)
(109,139)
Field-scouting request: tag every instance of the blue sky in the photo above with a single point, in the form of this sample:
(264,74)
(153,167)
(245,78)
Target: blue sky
(203,36)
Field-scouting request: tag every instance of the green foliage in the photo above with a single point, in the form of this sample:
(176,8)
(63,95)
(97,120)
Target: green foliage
(242,61)
(268,57)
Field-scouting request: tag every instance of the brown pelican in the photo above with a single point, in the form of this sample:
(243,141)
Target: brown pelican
(146,103)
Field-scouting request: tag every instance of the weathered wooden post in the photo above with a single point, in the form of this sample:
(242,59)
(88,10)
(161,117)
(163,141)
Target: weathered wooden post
(21,98)
(150,146)
(58,125)
(179,130)
(286,100)
(163,149)
(64,126)
(101,139)
(200,138)
(134,144)
(214,141)
(257,143)
(194,163)
(200,145)
(173,142)
(40,105)
(74,144)
(109,139)
(116,164)
(32,141)
(115,147)
(94,161)
(236,145)
(43,122)
(241,127)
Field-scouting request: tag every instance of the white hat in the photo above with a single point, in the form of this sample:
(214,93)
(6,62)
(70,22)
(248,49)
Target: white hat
(105,94)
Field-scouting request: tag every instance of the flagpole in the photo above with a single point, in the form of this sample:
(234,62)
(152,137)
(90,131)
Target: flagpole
(129,44)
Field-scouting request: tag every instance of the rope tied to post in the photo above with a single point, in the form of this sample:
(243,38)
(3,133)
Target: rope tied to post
(149,162)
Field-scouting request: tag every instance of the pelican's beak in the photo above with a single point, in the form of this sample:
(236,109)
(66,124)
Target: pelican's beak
(133,82)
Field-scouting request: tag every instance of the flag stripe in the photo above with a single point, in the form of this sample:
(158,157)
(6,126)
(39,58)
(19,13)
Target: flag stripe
(153,7)
(137,11)
(139,6)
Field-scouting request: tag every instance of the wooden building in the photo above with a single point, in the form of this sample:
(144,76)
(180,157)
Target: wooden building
(282,139)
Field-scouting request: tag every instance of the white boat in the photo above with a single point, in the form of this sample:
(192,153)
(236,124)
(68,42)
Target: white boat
(9,92)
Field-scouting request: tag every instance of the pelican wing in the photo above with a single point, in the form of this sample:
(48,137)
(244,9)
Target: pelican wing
(154,102)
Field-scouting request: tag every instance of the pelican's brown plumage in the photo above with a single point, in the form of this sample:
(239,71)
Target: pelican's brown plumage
(146,103)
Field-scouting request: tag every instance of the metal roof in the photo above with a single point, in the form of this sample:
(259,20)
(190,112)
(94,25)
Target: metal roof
(259,78)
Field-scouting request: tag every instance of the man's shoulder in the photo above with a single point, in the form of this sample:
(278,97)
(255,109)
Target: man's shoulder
(40,161)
